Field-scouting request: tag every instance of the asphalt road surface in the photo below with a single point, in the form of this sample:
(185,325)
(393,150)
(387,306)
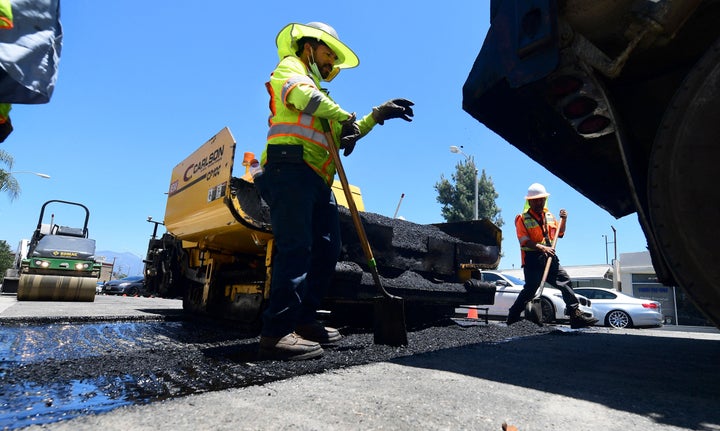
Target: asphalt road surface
(134,363)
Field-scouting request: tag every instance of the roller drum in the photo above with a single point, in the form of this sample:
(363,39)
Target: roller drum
(56,288)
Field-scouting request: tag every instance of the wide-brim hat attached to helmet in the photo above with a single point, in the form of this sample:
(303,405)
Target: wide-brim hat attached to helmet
(286,42)
(536,191)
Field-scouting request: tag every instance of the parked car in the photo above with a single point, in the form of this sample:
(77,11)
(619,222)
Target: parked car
(99,287)
(618,310)
(507,289)
(131,286)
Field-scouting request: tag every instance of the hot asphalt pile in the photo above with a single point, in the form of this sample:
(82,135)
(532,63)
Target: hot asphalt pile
(66,370)
(418,262)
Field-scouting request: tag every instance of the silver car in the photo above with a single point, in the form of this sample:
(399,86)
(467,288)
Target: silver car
(618,310)
(507,289)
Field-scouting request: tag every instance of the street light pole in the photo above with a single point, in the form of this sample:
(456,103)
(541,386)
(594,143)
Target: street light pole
(457,150)
(613,242)
(41,175)
(476,192)
(606,251)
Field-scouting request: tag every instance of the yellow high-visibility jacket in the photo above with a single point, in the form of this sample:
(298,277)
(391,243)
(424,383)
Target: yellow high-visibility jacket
(6,14)
(296,103)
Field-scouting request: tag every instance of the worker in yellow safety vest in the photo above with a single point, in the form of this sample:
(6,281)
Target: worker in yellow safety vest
(536,228)
(298,173)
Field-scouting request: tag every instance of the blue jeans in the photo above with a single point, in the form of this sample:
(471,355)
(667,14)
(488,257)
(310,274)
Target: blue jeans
(306,230)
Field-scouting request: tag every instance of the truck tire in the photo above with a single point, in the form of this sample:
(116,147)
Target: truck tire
(684,186)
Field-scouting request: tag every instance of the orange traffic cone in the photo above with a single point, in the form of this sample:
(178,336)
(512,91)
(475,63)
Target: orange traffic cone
(472,313)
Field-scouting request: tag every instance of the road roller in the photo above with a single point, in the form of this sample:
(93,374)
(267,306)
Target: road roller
(60,263)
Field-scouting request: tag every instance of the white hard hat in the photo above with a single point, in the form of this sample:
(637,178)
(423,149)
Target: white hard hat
(286,42)
(536,191)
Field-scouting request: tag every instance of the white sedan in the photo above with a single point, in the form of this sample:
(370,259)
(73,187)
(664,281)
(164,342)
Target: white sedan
(616,309)
(507,289)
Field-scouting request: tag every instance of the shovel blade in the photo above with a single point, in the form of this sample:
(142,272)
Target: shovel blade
(533,311)
(390,327)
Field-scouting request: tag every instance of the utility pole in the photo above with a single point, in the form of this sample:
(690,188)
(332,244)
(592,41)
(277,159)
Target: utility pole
(613,242)
(606,251)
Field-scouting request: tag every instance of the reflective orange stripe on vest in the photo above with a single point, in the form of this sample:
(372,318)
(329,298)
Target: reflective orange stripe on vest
(305,132)
(290,125)
(315,100)
(533,231)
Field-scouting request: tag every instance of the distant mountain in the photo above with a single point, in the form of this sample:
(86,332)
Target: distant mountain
(125,263)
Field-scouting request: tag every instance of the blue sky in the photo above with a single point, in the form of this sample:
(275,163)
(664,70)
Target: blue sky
(142,84)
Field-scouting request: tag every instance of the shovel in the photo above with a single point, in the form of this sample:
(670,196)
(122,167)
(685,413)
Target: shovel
(533,309)
(389,309)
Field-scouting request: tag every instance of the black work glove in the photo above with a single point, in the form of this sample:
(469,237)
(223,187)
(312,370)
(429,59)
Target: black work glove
(349,135)
(395,108)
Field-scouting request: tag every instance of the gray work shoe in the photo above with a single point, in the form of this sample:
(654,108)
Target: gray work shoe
(579,320)
(289,348)
(512,319)
(315,331)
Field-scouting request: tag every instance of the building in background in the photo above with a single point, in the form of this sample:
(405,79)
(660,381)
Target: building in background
(637,278)
(106,271)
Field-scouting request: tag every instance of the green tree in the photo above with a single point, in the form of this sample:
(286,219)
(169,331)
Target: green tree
(458,197)
(8,183)
(7,257)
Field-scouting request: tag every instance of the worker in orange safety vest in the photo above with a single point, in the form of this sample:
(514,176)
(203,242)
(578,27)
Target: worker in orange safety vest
(536,228)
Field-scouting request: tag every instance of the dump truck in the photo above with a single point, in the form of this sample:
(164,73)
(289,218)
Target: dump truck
(60,263)
(217,251)
(621,100)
